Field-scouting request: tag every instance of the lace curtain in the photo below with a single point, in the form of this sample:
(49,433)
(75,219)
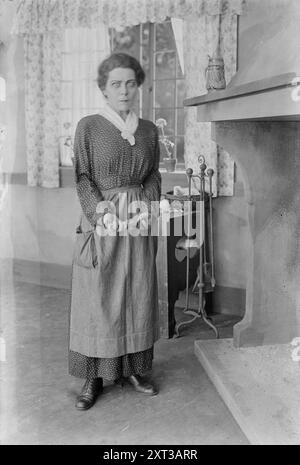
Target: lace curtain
(36,16)
(43,24)
(42,101)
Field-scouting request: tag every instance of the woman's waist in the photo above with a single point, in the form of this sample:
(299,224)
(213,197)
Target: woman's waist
(122,188)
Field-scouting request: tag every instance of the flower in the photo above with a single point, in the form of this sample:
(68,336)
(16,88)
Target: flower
(68,141)
(168,144)
(161,123)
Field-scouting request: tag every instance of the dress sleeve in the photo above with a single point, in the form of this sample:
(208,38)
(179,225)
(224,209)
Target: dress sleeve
(88,193)
(152,183)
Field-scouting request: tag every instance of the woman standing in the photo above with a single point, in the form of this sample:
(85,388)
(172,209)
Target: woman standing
(114,302)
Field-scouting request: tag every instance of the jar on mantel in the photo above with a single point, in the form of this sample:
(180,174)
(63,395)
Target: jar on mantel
(215,73)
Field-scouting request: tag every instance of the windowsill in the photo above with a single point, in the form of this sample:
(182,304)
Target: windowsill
(175,178)
(66,176)
(177,171)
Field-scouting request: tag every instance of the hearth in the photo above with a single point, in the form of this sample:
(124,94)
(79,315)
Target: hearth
(257,121)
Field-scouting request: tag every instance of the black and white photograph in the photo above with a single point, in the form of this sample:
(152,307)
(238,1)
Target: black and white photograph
(149,225)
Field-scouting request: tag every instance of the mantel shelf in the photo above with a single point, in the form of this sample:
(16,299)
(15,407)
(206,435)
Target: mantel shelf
(254,87)
(274,99)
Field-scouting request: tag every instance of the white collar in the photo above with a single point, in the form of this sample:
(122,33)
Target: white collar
(127,127)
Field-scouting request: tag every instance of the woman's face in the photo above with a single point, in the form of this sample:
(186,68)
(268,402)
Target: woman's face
(121,89)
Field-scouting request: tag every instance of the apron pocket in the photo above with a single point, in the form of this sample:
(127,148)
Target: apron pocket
(85,253)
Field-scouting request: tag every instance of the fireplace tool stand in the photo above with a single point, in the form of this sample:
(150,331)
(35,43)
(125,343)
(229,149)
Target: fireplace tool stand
(205,272)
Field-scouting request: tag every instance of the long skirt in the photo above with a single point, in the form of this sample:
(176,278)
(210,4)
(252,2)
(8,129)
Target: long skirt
(114,318)
(110,369)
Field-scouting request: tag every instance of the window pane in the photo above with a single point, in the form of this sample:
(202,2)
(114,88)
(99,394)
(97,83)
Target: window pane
(146,60)
(83,69)
(127,41)
(95,62)
(164,94)
(66,123)
(180,149)
(169,116)
(145,34)
(164,37)
(136,106)
(180,92)
(66,95)
(146,100)
(67,66)
(95,100)
(91,71)
(164,65)
(180,122)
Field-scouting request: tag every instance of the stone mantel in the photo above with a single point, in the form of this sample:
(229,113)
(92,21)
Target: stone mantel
(267,153)
(256,119)
(266,150)
(260,128)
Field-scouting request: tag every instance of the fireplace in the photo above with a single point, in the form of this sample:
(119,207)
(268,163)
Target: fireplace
(257,120)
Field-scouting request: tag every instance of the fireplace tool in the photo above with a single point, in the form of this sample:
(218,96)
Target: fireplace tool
(205,281)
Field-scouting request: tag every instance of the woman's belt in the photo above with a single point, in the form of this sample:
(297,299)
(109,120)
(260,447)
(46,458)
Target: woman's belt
(123,188)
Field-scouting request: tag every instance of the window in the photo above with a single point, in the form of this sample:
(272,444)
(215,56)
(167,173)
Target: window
(83,50)
(162,94)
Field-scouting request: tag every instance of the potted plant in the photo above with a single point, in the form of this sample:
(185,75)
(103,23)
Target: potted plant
(169,160)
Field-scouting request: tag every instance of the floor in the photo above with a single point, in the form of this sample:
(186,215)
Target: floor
(37,395)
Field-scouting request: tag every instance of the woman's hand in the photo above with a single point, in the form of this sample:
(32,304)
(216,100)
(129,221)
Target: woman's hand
(110,222)
(143,220)
(140,221)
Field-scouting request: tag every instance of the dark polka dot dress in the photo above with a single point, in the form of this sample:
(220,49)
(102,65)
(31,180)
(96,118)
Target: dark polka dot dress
(110,369)
(113,163)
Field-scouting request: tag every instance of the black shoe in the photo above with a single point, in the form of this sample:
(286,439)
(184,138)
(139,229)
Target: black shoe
(142,386)
(89,393)
(120,382)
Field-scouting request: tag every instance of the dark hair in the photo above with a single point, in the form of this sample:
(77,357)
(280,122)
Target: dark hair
(119,60)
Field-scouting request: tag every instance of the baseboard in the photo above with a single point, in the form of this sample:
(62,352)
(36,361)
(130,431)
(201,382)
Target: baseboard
(229,300)
(44,274)
(225,300)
